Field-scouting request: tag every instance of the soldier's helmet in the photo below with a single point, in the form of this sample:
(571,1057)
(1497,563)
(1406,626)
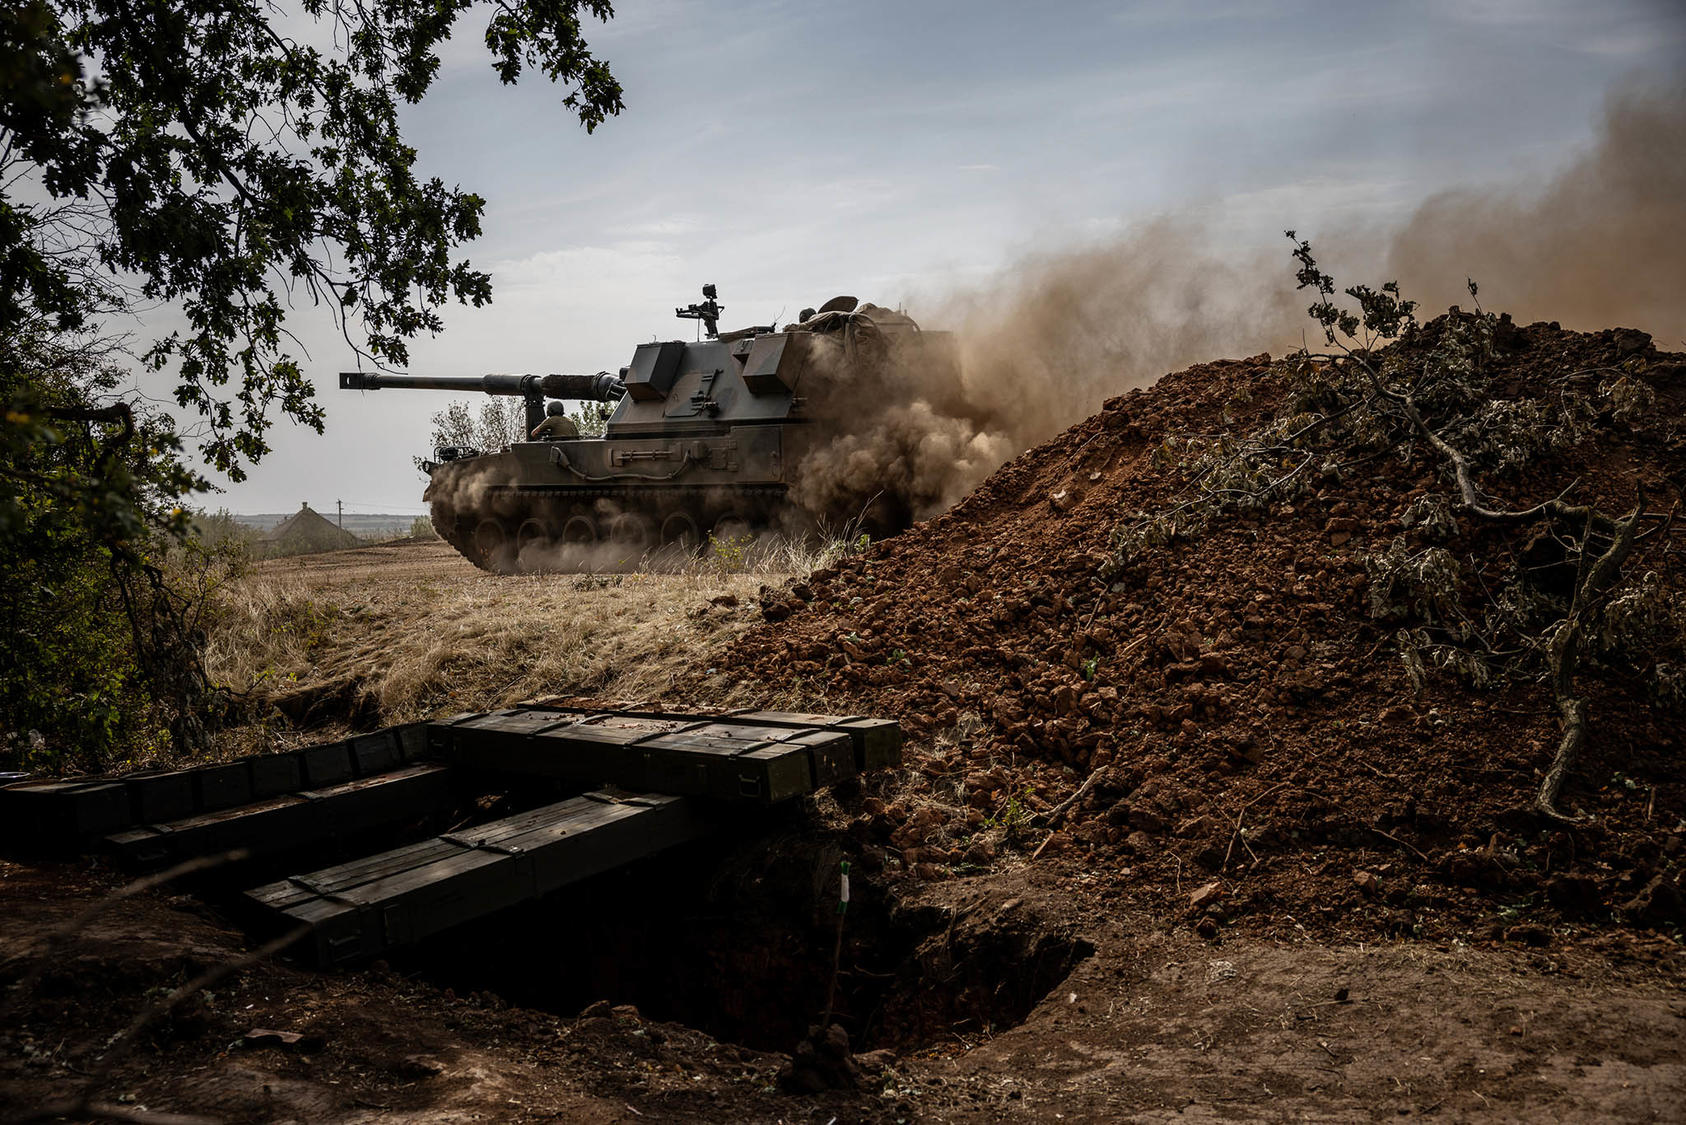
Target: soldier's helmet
(555,409)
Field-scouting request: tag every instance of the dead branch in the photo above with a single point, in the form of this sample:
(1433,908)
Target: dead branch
(1384,313)
(1468,494)
(1239,816)
(1051,819)
(1053,816)
(1408,847)
(1592,583)
(1564,655)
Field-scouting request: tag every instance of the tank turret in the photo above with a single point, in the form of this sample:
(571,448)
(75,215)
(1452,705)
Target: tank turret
(706,438)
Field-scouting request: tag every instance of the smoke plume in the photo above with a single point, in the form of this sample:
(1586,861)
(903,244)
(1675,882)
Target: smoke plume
(1037,350)
(1602,244)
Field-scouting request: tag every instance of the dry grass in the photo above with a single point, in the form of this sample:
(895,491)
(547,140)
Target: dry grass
(413,630)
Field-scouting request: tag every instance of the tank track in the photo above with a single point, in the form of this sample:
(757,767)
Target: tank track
(537,528)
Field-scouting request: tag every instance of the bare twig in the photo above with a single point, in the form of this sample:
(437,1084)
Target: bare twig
(1235,834)
(1403,844)
(126,1040)
(1052,818)
(1054,815)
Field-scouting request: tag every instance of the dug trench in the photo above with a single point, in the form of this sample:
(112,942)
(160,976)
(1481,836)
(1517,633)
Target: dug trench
(736,938)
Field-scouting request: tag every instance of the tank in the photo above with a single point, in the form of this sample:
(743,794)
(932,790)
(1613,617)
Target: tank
(707,438)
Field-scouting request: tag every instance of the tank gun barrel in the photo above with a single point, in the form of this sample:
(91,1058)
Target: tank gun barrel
(601,387)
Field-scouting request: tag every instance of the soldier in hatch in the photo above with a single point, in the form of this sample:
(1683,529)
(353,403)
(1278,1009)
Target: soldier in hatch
(556,425)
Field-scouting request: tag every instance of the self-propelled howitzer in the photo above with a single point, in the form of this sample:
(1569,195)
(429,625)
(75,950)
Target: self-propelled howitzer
(707,438)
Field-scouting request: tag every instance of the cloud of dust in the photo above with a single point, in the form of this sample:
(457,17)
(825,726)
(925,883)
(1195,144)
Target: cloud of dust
(1600,246)
(1034,352)
(1040,347)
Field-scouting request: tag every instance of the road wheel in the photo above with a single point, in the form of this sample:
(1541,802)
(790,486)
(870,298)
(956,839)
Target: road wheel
(579,531)
(631,531)
(534,544)
(733,529)
(680,530)
(494,545)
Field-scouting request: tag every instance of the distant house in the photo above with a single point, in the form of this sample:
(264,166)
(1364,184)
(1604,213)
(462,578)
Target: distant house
(305,532)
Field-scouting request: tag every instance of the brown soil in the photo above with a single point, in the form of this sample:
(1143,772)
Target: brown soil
(1254,732)
(1155,1025)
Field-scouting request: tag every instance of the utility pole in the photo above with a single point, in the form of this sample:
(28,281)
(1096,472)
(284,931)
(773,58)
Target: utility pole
(339,507)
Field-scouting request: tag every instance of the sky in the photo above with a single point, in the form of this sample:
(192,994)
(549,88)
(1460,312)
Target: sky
(901,152)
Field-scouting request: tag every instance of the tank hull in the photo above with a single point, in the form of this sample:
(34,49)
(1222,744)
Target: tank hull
(606,504)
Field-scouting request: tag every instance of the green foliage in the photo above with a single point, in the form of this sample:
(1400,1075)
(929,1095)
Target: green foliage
(68,680)
(1013,818)
(498,422)
(422,528)
(501,421)
(218,160)
(1381,314)
(591,417)
(727,553)
(91,614)
(219,530)
(199,157)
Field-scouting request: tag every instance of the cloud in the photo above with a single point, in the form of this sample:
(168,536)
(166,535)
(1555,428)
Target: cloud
(1605,29)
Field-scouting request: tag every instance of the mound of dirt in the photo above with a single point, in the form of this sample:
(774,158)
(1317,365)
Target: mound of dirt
(1245,731)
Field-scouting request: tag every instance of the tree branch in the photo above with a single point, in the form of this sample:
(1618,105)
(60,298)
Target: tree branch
(1564,656)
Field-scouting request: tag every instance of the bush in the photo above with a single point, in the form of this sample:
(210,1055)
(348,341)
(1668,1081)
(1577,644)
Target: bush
(98,657)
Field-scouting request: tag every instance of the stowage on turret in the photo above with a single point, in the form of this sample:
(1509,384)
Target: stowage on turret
(705,439)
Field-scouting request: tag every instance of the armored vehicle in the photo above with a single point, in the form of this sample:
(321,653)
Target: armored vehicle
(707,437)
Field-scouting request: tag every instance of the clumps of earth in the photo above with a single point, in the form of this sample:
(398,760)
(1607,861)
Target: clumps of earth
(1269,710)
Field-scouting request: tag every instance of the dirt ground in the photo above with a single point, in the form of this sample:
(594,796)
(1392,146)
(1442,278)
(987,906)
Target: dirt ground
(1154,1024)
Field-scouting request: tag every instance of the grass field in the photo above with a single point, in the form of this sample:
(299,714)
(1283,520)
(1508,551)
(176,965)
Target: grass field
(410,629)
